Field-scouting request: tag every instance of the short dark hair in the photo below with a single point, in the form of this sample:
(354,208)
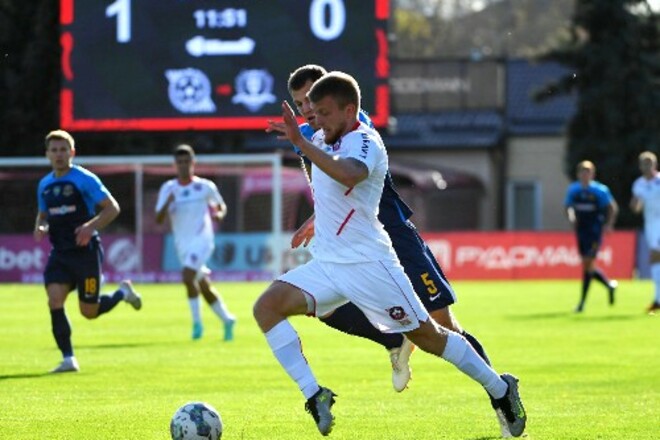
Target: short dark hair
(341,86)
(300,76)
(62,135)
(184,150)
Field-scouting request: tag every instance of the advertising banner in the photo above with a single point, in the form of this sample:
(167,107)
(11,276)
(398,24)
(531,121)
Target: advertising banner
(526,255)
(249,256)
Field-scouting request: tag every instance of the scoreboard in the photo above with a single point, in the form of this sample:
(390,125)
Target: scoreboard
(210,64)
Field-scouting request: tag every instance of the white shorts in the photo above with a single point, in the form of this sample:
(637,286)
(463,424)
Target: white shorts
(195,255)
(652,234)
(379,288)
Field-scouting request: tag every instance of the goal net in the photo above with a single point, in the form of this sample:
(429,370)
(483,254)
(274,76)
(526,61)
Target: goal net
(266,202)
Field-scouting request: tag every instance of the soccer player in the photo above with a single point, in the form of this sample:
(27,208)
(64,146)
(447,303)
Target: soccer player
(192,204)
(68,198)
(353,257)
(646,199)
(421,267)
(592,210)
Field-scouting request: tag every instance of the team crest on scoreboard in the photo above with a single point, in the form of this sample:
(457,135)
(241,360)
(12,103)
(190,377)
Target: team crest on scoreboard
(254,87)
(189,91)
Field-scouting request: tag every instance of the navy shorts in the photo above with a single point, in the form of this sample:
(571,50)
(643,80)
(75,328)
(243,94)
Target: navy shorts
(79,268)
(428,280)
(589,243)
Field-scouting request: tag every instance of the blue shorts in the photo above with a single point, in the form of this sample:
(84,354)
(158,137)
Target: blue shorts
(428,280)
(79,268)
(589,243)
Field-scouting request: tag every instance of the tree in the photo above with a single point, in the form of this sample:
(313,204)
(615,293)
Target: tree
(614,67)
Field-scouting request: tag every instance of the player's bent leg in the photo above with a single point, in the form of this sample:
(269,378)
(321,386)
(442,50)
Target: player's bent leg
(279,301)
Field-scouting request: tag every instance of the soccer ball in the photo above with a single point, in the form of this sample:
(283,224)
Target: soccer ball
(196,421)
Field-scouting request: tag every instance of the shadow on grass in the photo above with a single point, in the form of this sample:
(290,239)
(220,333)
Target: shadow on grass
(23,375)
(492,437)
(577,317)
(120,345)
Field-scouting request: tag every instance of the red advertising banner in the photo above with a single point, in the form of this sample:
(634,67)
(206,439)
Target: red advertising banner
(526,255)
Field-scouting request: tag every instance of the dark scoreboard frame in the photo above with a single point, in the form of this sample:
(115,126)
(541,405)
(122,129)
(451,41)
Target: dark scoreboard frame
(88,104)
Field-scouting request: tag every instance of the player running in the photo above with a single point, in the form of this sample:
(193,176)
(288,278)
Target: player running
(592,211)
(646,199)
(354,259)
(421,267)
(189,201)
(68,198)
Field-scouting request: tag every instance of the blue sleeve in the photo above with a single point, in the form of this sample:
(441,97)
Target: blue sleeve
(604,196)
(363,116)
(568,200)
(93,189)
(307,131)
(41,203)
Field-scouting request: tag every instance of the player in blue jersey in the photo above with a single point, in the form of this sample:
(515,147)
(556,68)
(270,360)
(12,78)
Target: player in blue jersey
(592,210)
(68,198)
(428,280)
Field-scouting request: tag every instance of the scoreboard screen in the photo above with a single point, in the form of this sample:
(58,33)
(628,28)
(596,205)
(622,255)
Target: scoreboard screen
(210,64)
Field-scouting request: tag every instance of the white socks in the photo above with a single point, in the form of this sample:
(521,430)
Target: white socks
(284,343)
(459,352)
(194,309)
(221,310)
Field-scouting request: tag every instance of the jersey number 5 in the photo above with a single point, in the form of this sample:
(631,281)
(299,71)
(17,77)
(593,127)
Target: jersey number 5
(430,284)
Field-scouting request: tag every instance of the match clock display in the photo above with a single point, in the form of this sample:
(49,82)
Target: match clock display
(210,64)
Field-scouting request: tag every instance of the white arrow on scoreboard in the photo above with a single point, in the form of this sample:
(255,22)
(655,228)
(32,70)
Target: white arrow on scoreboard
(199,46)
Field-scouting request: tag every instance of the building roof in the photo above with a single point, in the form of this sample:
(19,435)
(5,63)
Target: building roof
(456,129)
(524,115)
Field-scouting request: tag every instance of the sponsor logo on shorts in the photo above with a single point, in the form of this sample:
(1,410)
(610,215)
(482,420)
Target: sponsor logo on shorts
(398,314)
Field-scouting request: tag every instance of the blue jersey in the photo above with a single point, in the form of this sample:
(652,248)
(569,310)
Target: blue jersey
(69,201)
(392,211)
(590,205)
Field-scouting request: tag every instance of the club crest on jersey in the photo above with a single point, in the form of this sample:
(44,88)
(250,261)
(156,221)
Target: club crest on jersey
(57,190)
(197,186)
(67,191)
(398,314)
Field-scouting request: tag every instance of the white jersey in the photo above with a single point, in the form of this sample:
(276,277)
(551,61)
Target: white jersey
(648,191)
(346,226)
(189,212)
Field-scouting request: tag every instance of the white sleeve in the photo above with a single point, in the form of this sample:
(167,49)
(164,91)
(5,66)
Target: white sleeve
(365,149)
(214,197)
(163,194)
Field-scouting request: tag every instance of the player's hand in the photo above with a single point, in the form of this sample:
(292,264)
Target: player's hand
(84,234)
(288,128)
(39,232)
(170,199)
(303,235)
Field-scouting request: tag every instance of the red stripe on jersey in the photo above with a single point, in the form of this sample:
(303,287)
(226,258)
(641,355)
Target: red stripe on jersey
(349,190)
(348,217)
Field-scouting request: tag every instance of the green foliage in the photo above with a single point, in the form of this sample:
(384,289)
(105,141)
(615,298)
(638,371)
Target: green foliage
(588,376)
(613,59)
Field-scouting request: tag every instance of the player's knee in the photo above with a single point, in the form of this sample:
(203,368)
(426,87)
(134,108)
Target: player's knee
(89,313)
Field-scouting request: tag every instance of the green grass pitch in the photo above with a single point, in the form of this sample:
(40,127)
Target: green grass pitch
(589,376)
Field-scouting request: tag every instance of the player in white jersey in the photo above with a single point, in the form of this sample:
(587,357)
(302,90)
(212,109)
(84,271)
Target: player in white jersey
(192,204)
(353,257)
(646,199)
